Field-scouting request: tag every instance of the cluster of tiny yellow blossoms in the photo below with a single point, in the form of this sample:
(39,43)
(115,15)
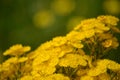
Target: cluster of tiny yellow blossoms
(76,56)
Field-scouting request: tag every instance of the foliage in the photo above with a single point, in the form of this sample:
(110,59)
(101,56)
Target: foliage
(77,56)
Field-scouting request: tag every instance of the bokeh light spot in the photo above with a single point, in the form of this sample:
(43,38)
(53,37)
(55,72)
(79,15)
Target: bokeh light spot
(112,6)
(43,19)
(63,7)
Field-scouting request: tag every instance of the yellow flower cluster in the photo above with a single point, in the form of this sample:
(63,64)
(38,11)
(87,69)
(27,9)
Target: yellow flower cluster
(17,50)
(76,56)
(99,72)
(72,60)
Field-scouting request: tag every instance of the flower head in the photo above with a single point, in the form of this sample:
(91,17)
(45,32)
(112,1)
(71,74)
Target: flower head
(72,60)
(109,20)
(17,50)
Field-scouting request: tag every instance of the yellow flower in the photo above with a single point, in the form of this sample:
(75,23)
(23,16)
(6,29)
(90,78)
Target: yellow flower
(98,30)
(109,20)
(17,50)
(115,29)
(88,59)
(72,60)
(104,36)
(64,55)
(113,66)
(65,49)
(86,77)
(74,38)
(22,59)
(75,35)
(26,69)
(57,77)
(53,61)
(89,33)
(100,68)
(108,40)
(107,43)
(41,57)
(90,24)
(76,44)
(13,60)
(35,74)
(0,66)
(9,68)
(81,72)
(86,25)
(81,51)
(44,69)
(58,41)
(103,76)
(100,26)
(46,45)
(113,42)
(26,77)
(55,52)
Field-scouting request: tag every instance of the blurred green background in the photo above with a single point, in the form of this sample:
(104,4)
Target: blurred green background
(32,22)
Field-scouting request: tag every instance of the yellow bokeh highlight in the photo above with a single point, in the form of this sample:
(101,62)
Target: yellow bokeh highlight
(63,7)
(43,19)
(112,6)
